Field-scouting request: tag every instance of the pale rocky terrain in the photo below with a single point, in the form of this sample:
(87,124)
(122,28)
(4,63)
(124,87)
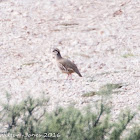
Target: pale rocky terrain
(101,37)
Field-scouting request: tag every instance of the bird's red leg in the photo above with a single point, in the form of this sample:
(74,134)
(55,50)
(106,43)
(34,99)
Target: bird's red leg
(71,77)
(67,77)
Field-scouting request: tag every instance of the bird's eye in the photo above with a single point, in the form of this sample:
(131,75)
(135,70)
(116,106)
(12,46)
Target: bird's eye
(55,52)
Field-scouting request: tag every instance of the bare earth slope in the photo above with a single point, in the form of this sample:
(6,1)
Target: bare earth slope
(101,37)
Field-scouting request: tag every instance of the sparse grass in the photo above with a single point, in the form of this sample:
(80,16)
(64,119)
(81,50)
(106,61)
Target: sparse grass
(107,89)
(107,73)
(82,54)
(89,94)
(30,63)
(68,24)
(126,55)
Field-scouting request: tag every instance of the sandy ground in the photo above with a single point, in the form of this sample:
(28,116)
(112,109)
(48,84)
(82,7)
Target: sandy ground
(101,37)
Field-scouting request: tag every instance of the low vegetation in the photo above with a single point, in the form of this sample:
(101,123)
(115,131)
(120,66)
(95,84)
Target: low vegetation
(126,55)
(107,89)
(31,120)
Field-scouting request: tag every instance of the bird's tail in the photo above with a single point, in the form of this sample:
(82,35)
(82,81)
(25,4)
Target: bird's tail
(77,71)
(80,74)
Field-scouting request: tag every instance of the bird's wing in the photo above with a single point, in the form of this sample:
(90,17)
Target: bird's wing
(62,67)
(70,66)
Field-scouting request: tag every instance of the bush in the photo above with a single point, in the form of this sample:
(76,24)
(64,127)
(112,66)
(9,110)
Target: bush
(31,120)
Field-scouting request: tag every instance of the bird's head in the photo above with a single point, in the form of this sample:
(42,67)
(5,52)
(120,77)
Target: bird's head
(56,52)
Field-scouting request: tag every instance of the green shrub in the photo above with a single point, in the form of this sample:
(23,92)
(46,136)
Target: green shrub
(30,118)
(120,126)
(74,125)
(134,134)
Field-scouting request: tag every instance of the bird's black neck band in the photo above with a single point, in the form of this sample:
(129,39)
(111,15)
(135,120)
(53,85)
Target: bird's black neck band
(59,56)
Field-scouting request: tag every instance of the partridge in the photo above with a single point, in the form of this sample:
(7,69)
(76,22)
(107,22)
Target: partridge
(65,65)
